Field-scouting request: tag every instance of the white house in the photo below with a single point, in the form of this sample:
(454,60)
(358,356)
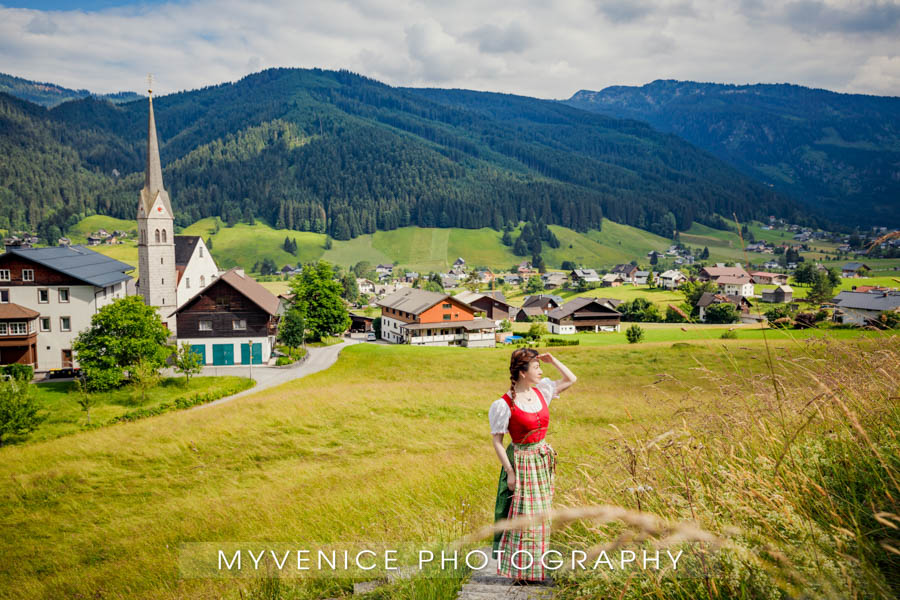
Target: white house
(194,266)
(671,279)
(735,286)
(65,286)
(858,307)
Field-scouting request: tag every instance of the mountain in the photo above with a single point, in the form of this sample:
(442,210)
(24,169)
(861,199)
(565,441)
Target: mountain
(838,153)
(335,152)
(50,94)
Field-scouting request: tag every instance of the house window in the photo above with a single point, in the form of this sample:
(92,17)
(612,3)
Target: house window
(446,305)
(446,317)
(239,324)
(64,294)
(4,296)
(4,274)
(43,296)
(205,326)
(3,328)
(18,328)
(201,251)
(31,327)
(45,323)
(221,301)
(187,282)
(27,274)
(65,324)
(203,281)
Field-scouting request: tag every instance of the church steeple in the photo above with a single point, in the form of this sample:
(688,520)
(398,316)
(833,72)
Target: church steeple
(153,182)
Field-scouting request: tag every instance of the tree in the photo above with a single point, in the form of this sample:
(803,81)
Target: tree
(821,289)
(209,243)
(705,254)
(639,310)
(834,276)
(318,297)
(536,330)
(634,334)
(724,312)
(654,259)
(534,285)
(187,362)
(506,240)
(651,279)
(143,375)
(291,328)
(328,242)
(18,409)
(805,273)
(537,262)
(84,398)
(693,290)
(121,334)
(350,290)
(568,265)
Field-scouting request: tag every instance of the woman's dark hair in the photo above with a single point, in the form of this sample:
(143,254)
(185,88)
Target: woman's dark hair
(518,363)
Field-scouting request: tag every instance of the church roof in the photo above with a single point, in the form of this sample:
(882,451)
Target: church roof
(184,248)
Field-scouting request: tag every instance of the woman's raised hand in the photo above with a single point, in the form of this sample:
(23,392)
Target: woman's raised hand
(546,357)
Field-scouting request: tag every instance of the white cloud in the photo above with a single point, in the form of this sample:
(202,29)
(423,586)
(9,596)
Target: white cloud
(537,48)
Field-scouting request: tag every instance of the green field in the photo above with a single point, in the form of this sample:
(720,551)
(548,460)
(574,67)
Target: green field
(79,232)
(65,416)
(338,455)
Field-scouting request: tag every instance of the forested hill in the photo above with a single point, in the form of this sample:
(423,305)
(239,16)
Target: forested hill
(50,94)
(336,152)
(836,152)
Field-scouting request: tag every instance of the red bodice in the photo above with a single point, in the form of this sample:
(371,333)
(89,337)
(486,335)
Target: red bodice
(526,427)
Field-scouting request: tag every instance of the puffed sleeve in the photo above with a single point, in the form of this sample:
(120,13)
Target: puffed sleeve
(548,389)
(498,415)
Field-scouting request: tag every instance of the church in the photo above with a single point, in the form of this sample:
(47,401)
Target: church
(172,268)
(226,317)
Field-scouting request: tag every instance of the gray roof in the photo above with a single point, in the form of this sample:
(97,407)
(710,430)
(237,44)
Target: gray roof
(184,248)
(577,304)
(77,261)
(854,266)
(538,299)
(473,325)
(877,301)
(412,300)
(717,298)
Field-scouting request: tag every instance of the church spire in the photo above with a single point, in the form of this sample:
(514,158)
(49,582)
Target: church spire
(153,179)
(153,183)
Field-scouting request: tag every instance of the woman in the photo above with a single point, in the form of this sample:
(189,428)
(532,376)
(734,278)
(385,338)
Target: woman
(526,480)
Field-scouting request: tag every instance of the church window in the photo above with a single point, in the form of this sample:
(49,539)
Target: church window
(164,236)
(156,236)
(203,281)
(187,283)
(201,251)
(160,260)
(162,282)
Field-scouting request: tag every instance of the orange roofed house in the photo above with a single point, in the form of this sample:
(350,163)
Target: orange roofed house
(420,317)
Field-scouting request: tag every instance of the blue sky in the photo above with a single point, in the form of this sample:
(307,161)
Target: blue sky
(534,47)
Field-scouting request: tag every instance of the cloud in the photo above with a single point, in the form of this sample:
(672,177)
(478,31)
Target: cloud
(527,47)
(497,40)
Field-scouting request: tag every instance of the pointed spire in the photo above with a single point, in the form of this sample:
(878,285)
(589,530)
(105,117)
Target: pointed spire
(153,179)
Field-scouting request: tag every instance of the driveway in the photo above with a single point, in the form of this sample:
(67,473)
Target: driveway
(318,359)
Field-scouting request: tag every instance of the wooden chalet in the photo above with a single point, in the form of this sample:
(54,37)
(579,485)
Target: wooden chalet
(584,314)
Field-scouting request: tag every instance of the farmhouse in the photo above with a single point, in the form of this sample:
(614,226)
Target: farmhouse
(765,277)
(855,269)
(553,280)
(740,302)
(627,270)
(612,280)
(492,304)
(416,316)
(585,275)
(720,270)
(735,286)
(584,314)
(233,320)
(671,279)
(858,308)
(65,286)
(782,294)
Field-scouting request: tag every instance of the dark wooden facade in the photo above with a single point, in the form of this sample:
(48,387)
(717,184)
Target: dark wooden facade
(222,304)
(42,275)
(492,308)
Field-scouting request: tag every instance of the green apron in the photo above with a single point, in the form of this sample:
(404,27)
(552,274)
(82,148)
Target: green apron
(504,500)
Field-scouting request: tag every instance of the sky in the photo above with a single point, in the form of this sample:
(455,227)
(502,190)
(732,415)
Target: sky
(542,48)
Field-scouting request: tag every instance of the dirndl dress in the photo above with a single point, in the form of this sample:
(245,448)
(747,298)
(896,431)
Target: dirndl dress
(520,552)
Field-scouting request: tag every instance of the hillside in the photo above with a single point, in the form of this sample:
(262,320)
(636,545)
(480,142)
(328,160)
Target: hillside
(50,94)
(838,153)
(333,152)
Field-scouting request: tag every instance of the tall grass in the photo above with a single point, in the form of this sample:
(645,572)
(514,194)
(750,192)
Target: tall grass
(783,484)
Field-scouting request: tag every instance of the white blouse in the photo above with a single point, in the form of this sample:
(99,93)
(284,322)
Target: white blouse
(498,415)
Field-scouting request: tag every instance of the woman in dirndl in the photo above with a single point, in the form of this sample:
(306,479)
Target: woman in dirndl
(526,483)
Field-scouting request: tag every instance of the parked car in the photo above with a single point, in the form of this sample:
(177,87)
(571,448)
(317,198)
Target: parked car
(370,337)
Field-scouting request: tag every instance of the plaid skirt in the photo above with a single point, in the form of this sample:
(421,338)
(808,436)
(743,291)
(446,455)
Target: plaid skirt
(535,466)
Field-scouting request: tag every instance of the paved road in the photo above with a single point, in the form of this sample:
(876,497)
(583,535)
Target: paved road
(318,359)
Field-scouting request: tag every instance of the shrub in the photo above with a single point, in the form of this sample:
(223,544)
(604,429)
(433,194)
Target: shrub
(731,334)
(18,372)
(634,334)
(283,360)
(562,342)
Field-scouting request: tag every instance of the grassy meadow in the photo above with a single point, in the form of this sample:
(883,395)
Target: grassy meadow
(392,443)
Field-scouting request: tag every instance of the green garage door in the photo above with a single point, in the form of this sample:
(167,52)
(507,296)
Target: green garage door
(223,354)
(199,350)
(257,354)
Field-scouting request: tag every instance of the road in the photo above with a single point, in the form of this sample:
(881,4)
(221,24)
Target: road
(265,377)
